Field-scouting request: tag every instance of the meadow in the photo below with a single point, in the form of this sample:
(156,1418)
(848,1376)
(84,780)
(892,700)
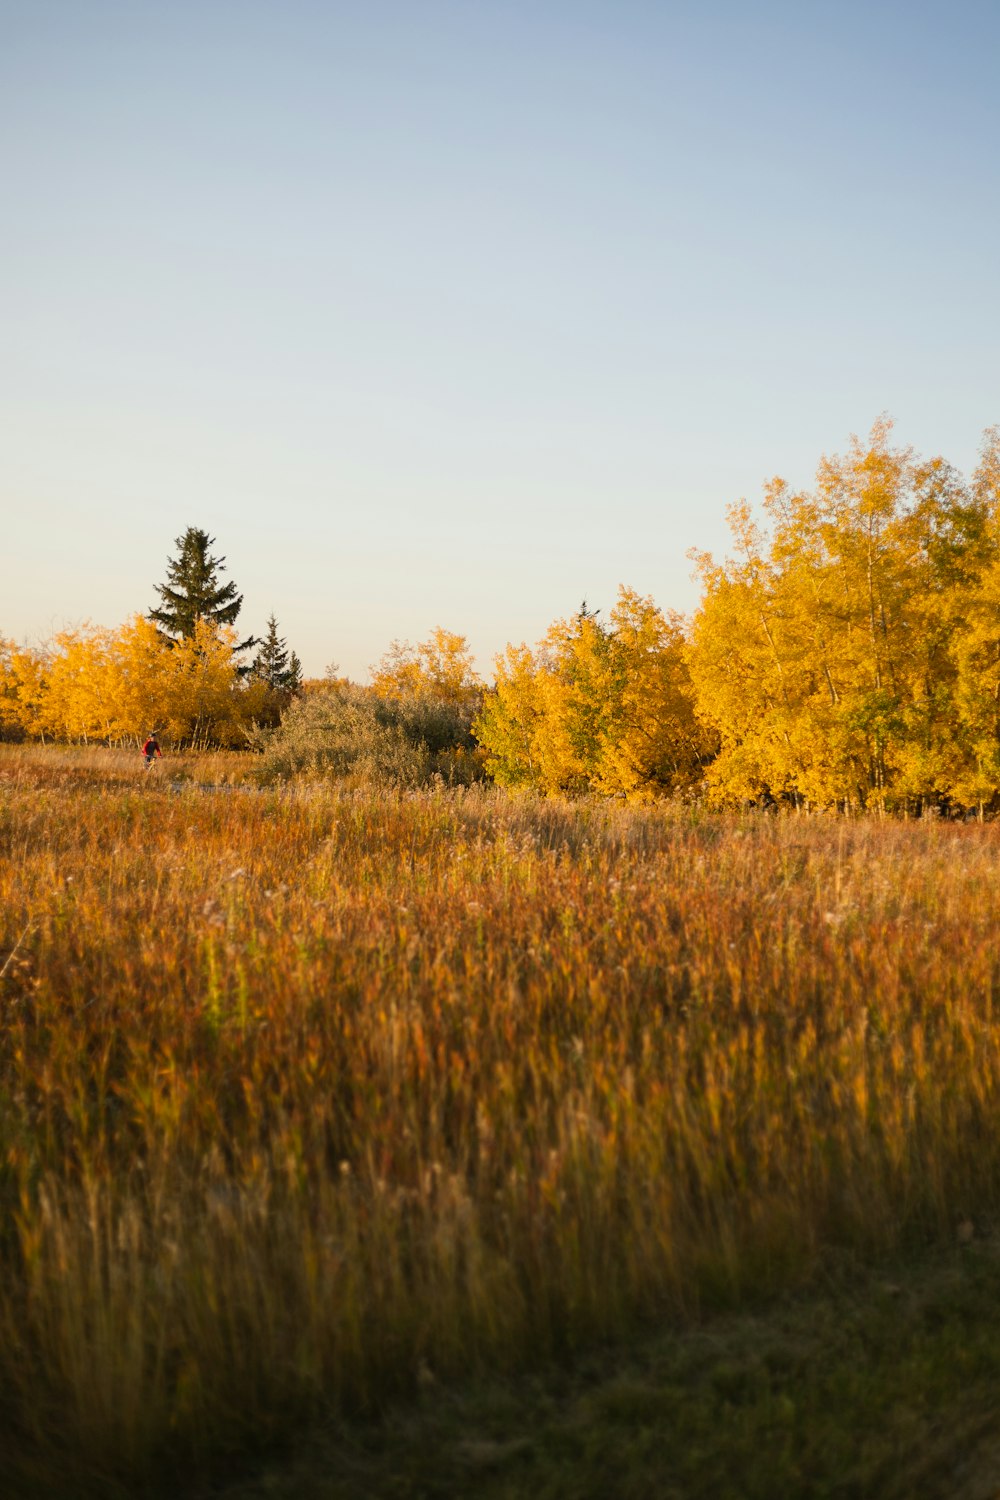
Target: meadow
(316,1097)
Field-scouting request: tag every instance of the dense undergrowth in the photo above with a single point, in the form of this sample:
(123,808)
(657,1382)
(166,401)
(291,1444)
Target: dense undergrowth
(309,1094)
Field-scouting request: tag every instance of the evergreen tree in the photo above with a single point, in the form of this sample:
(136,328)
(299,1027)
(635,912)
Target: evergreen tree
(274,664)
(194,592)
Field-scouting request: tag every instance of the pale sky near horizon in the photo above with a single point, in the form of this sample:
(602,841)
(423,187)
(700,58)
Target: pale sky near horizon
(459,313)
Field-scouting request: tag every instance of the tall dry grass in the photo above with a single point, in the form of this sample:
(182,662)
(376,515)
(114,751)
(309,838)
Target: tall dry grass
(306,1095)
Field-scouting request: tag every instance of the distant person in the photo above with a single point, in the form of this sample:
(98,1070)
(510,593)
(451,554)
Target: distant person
(151,749)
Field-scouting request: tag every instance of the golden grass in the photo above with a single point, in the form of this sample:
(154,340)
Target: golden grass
(306,1095)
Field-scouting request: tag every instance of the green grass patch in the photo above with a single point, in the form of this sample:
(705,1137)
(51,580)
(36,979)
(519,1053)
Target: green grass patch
(877,1383)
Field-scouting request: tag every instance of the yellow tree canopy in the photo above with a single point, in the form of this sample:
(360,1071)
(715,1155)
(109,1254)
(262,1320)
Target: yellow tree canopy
(845,655)
(115,685)
(21,686)
(441,667)
(603,708)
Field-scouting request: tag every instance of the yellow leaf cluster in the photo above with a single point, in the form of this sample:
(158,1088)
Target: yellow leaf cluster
(602,708)
(851,655)
(440,668)
(116,685)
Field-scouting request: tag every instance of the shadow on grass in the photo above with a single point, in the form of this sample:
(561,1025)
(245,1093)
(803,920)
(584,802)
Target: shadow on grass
(877,1383)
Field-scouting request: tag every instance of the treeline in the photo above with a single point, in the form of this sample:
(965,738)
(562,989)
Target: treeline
(846,655)
(181,669)
(113,686)
(849,652)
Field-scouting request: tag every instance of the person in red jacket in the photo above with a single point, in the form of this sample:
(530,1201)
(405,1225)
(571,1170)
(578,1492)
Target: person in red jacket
(151,748)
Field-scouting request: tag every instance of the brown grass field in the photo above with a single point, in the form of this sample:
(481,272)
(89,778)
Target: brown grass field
(313,1097)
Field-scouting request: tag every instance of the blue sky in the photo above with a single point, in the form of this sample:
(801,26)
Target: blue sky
(458,313)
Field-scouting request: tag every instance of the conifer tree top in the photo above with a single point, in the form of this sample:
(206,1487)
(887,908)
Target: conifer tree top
(193,591)
(273,663)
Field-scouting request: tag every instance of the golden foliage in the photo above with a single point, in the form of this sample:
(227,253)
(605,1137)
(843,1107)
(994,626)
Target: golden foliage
(847,654)
(21,676)
(850,656)
(596,708)
(441,667)
(113,686)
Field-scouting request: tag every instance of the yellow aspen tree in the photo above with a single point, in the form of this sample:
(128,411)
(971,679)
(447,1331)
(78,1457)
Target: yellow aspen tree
(201,689)
(103,684)
(977,694)
(862,496)
(22,687)
(945,549)
(113,686)
(601,708)
(192,689)
(27,685)
(441,667)
(650,741)
(986,479)
(529,726)
(72,707)
(139,662)
(508,721)
(11,726)
(975,645)
(811,649)
(739,664)
(575,687)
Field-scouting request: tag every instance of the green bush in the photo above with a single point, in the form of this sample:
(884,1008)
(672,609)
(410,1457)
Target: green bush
(349,732)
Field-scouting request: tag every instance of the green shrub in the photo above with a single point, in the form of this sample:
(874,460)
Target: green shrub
(348,732)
